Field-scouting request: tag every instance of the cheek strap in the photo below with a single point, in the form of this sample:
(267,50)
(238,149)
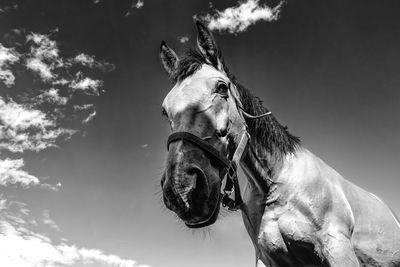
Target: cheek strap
(232,181)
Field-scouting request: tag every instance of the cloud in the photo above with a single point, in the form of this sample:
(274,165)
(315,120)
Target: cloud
(239,18)
(55,187)
(44,56)
(24,128)
(46,220)
(183,39)
(33,120)
(86,84)
(8,57)
(36,124)
(139,4)
(44,70)
(25,248)
(45,60)
(91,62)
(87,109)
(52,96)
(21,246)
(11,173)
(83,107)
(90,117)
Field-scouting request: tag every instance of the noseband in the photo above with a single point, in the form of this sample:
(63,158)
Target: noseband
(229,165)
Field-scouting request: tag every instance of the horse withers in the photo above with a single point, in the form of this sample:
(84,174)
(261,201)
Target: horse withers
(297,210)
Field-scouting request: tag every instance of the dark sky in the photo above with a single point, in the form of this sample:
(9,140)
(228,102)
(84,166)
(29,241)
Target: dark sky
(327,69)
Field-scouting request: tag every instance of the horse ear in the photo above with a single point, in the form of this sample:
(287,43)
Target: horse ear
(207,45)
(168,58)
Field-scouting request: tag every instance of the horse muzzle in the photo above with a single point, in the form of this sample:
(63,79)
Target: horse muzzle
(191,186)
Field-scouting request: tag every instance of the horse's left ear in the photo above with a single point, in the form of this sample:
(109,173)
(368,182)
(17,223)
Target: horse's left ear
(208,46)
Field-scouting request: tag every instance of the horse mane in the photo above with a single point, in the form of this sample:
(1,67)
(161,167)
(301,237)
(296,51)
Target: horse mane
(266,131)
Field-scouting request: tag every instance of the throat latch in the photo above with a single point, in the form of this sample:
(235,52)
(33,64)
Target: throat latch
(232,182)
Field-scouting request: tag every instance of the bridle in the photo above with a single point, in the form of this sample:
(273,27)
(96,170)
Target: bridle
(229,164)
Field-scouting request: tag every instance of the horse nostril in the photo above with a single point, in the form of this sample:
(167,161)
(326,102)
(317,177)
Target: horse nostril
(198,185)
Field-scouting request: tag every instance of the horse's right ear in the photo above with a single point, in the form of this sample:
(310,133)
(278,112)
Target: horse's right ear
(168,58)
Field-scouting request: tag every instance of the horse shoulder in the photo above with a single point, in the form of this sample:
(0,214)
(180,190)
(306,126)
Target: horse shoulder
(314,191)
(311,202)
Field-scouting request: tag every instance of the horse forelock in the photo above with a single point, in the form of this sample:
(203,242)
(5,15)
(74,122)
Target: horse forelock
(267,132)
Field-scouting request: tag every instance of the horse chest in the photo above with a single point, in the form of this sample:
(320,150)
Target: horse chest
(288,238)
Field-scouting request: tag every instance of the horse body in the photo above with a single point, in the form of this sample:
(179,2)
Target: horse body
(312,216)
(297,210)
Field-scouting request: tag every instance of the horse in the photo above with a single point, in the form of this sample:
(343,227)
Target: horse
(297,210)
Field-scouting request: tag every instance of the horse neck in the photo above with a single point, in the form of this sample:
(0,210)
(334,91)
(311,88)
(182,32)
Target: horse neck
(257,172)
(262,165)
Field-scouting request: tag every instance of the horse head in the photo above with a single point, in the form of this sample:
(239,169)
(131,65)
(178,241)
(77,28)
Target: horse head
(204,102)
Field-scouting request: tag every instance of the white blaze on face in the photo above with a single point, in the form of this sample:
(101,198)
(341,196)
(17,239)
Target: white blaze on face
(197,91)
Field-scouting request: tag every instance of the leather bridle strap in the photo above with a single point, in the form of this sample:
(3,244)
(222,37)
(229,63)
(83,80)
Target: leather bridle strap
(229,166)
(177,136)
(232,182)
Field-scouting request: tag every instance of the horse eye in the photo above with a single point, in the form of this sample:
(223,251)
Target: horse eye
(222,88)
(164,113)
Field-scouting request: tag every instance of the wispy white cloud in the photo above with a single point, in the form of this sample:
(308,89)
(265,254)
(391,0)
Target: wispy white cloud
(183,39)
(239,18)
(90,61)
(11,173)
(8,56)
(46,220)
(89,117)
(52,96)
(43,69)
(84,107)
(44,47)
(139,4)
(23,247)
(44,56)
(86,84)
(136,4)
(45,60)
(88,109)
(24,128)
(144,146)
(55,187)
